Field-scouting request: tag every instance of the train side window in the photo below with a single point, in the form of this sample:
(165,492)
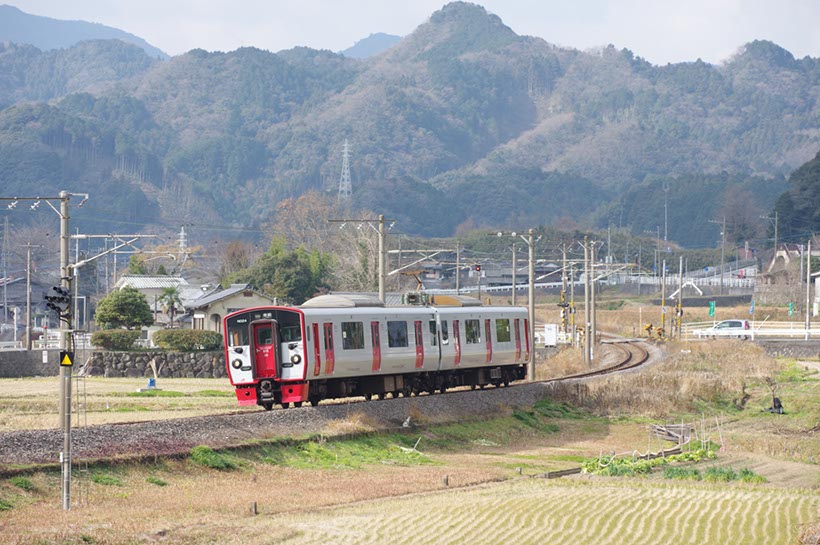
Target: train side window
(433,333)
(352,335)
(472,328)
(329,337)
(445,334)
(502,330)
(397,334)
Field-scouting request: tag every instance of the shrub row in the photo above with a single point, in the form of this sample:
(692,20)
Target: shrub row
(187,340)
(115,339)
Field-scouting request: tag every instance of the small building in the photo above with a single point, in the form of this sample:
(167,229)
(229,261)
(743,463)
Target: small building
(152,286)
(206,313)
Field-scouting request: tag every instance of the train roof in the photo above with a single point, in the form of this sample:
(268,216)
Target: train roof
(412,299)
(347,300)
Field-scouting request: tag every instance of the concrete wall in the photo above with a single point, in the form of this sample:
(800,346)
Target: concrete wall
(29,363)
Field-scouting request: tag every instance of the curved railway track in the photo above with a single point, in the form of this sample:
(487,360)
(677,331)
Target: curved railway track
(177,436)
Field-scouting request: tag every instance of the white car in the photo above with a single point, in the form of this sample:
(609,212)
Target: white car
(733,329)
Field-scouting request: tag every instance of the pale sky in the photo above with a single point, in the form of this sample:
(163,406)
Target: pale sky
(660,31)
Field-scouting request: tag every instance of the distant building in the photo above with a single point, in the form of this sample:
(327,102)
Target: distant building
(206,312)
(152,287)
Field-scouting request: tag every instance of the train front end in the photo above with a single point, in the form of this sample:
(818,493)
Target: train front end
(265,356)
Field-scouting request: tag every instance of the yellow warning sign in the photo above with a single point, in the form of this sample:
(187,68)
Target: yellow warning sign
(66,359)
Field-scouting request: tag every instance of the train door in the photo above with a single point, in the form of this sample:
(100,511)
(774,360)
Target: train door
(264,340)
(375,338)
(330,357)
(419,344)
(488,331)
(317,352)
(517,326)
(527,335)
(456,343)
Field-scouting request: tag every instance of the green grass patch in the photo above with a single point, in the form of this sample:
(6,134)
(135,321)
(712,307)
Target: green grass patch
(6,505)
(792,372)
(213,393)
(352,453)
(156,393)
(155,480)
(208,457)
(22,483)
(106,479)
(130,409)
(548,408)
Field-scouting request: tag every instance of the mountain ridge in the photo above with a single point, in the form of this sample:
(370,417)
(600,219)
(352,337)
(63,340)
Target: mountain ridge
(463,116)
(47,33)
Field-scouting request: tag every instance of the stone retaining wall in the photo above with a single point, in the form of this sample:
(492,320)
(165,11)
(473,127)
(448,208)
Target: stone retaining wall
(792,349)
(168,364)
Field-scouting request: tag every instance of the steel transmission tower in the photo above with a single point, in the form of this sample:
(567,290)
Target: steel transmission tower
(345,187)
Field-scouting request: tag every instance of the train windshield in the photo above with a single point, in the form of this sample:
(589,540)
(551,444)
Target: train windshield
(290,325)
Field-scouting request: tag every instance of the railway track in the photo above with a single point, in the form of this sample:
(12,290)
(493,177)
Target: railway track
(177,436)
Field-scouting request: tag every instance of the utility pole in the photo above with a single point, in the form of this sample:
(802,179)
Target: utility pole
(6,270)
(592,322)
(587,346)
(564,309)
(722,224)
(28,296)
(382,259)
(514,265)
(572,302)
(774,221)
(531,332)
(458,267)
(808,290)
(65,371)
(665,208)
(382,245)
(663,297)
(679,312)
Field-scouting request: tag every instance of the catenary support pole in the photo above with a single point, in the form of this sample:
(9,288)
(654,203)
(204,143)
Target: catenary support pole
(531,288)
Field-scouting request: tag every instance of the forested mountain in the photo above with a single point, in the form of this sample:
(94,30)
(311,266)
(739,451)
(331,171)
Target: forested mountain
(46,33)
(462,123)
(372,45)
(797,208)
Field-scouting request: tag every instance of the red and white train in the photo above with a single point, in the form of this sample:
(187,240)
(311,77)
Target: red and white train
(337,346)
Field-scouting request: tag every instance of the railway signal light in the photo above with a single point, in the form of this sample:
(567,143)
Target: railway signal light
(477,268)
(60,303)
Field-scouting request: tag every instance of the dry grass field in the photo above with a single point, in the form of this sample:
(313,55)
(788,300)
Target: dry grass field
(372,490)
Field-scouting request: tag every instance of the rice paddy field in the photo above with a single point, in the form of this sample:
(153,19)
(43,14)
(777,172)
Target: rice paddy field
(476,481)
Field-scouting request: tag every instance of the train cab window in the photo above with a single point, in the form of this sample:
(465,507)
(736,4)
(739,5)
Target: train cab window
(238,331)
(433,333)
(291,333)
(472,328)
(397,334)
(445,334)
(352,335)
(264,336)
(502,330)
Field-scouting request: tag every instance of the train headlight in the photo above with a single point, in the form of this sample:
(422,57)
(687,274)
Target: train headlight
(295,359)
(236,364)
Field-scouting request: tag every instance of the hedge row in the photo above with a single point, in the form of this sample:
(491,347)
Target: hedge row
(187,340)
(115,339)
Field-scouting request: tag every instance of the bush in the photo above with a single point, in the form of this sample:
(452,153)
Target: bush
(115,339)
(208,457)
(187,340)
